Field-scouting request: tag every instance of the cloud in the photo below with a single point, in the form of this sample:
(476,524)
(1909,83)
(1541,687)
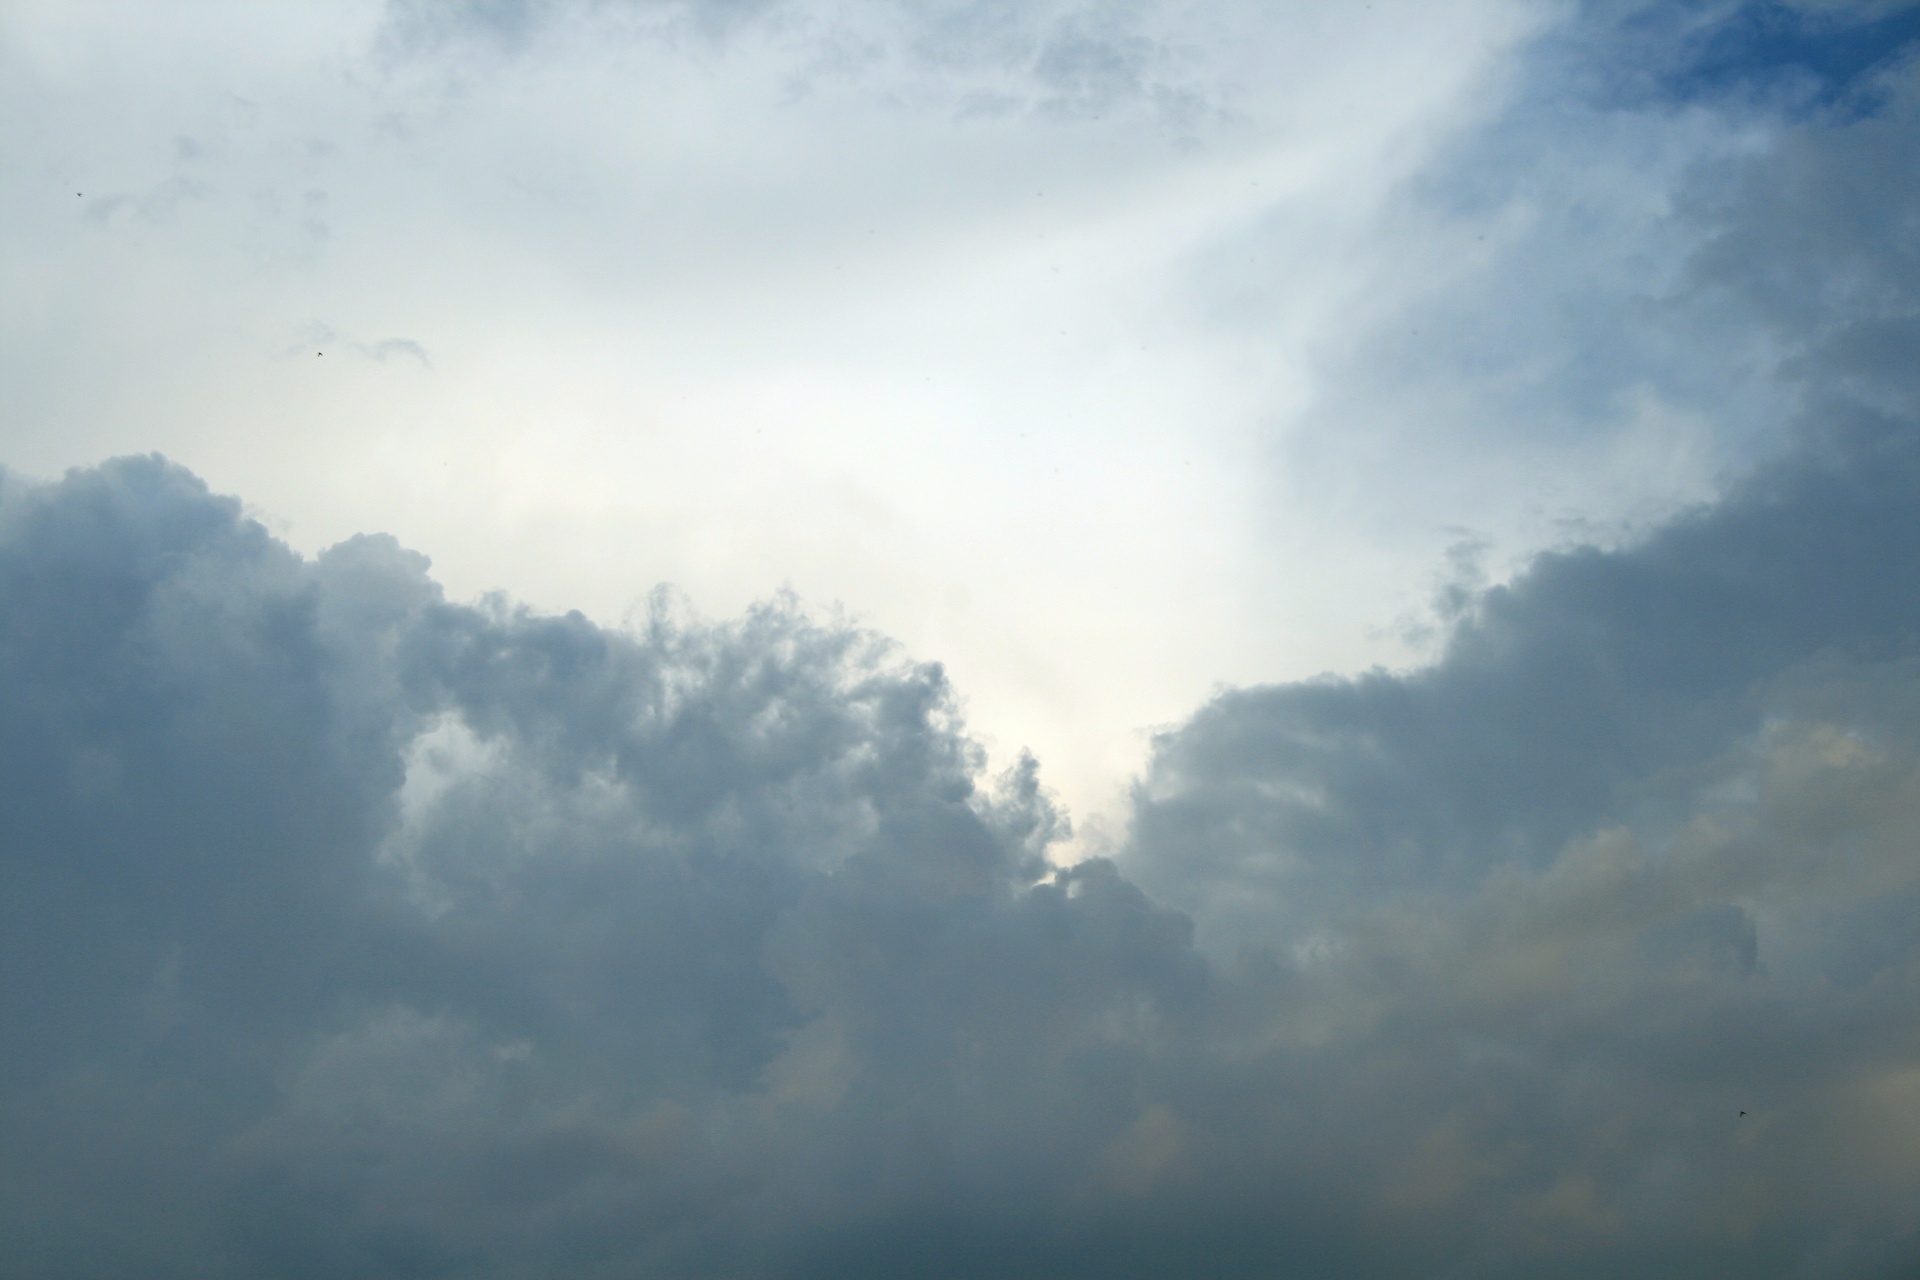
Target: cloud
(1537,340)
(352,930)
(1067,60)
(388,933)
(1565,694)
(1632,851)
(370,933)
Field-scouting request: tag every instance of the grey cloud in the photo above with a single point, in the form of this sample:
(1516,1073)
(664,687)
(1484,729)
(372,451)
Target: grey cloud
(1821,240)
(367,933)
(1570,695)
(349,930)
(1608,904)
(357,931)
(1606,685)
(321,338)
(1071,60)
(1602,287)
(514,26)
(391,348)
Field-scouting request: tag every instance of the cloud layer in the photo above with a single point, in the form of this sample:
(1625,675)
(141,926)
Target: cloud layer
(350,930)
(355,932)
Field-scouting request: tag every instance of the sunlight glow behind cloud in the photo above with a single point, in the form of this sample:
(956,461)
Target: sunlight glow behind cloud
(1436,487)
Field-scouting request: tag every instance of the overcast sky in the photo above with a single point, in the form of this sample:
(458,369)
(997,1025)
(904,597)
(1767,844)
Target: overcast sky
(758,637)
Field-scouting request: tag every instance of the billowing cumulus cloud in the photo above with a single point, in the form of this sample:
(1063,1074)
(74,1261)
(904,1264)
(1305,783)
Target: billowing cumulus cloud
(1612,904)
(353,930)
(356,932)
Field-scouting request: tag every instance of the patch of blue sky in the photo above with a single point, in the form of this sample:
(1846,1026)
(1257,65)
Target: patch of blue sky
(1795,59)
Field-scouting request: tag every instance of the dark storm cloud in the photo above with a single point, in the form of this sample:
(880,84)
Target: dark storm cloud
(1637,849)
(354,932)
(350,931)
(1586,691)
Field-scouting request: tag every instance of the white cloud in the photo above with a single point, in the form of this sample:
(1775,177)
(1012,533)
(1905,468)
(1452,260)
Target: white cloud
(689,320)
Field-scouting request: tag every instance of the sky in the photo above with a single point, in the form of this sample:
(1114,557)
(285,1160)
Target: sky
(768,638)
